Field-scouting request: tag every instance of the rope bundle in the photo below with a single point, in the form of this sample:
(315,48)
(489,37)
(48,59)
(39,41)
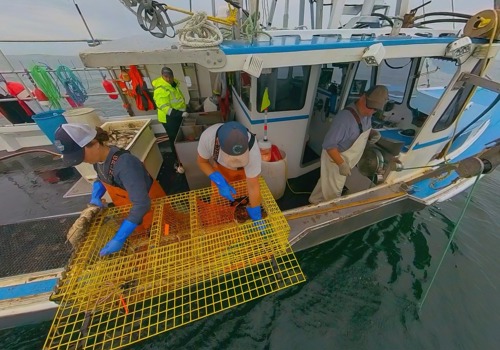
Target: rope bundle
(46,84)
(72,84)
(199,32)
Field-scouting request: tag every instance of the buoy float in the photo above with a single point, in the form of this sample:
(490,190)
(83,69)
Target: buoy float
(41,97)
(110,89)
(17,89)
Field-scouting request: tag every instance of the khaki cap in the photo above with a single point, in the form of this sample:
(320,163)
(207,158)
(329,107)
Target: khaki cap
(377,97)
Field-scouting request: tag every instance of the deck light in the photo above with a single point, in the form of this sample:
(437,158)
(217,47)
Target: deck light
(459,48)
(374,54)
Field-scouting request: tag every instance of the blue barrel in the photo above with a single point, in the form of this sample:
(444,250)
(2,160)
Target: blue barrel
(49,121)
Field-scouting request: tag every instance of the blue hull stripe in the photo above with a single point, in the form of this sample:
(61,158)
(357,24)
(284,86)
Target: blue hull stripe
(294,44)
(27,289)
(430,143)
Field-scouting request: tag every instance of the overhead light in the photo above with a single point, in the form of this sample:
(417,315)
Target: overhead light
(374,54)
(459,48)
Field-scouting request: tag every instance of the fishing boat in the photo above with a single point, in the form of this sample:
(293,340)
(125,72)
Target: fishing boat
(436,139)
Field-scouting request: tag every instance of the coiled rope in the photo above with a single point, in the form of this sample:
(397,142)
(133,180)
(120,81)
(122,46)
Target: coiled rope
(72,84)
(45,82)
(200,32)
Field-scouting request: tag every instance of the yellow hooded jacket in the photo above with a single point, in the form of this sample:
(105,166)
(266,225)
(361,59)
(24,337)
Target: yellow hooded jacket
(167,98)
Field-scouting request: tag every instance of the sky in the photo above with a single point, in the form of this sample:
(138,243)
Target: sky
(109,19)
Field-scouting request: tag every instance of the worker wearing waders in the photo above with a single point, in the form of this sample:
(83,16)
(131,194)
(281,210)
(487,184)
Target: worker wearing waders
(119,172)
(235,157)
(345,142)
(171,107)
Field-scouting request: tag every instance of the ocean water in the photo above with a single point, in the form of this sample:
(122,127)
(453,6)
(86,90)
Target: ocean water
(365,291)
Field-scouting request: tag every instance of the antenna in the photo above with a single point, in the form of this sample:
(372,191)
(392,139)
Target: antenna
(94,41)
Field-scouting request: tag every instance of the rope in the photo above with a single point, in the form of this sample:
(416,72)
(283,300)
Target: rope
(72,84)
(455,229)
(45,82)
(29,151)
(199,32)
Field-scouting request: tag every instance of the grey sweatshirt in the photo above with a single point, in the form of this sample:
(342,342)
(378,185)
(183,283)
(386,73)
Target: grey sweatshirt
(129,174)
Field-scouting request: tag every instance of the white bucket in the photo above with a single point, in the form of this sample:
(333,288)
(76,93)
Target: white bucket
(274,173)
(83,115)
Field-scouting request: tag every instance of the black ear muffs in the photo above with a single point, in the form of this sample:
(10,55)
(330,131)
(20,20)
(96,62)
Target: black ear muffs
(389,106)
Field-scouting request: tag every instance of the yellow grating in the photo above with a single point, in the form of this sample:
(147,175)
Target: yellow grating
(203,263)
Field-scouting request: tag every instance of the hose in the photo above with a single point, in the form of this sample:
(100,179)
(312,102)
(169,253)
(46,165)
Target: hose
(452,14)
(72,84)
(443,20)
(45,82)
(29,151)
(384,17)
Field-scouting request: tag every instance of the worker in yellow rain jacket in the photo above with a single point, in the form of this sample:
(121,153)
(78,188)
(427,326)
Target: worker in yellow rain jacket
(171,107)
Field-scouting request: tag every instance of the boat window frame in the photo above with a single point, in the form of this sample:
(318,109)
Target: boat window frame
(459,100)
(306,74)
(414,85)
(410,64)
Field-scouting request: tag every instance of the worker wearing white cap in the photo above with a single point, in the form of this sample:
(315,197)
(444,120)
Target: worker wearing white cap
(119,173)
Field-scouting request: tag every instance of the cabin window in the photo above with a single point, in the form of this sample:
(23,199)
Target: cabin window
(430,84)
(394,73)
(363,81)
(287,88)
(332,79)
(242,84)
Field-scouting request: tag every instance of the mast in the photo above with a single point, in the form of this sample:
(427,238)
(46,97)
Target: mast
(402,7)
(336,13)
(319,14)
(301,12)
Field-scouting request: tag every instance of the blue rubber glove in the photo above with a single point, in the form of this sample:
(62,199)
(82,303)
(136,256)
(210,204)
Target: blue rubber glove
(116,243)
(255,214)
(224,188)
(98,191)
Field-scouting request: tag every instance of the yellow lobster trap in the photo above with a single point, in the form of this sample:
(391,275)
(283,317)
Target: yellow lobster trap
(201,256)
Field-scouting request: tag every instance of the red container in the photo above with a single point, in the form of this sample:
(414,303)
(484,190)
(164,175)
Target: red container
(275,153)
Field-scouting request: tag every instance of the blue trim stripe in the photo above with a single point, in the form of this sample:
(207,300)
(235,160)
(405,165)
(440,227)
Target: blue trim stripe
(430,143)
(27,289)
(294,44)
(269,120)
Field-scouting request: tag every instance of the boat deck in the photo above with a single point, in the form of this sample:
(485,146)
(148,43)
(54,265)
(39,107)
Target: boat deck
(34,216)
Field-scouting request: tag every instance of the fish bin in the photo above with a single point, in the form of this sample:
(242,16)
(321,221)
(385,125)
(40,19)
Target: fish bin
(136,136)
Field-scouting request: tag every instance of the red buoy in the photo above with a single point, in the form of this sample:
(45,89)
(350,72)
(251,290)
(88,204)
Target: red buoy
(17,89)
(41,97)
(109,88)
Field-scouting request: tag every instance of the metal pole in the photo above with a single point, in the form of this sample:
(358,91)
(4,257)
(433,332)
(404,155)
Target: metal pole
(311,7)
(336,13)
(285,15)
(84,22)
(271,13)
(402,8)
(319,14)
(302,7)
(213,8)
(367,8)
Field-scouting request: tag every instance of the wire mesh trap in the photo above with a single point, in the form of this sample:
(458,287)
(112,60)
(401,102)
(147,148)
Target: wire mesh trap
(197,259)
